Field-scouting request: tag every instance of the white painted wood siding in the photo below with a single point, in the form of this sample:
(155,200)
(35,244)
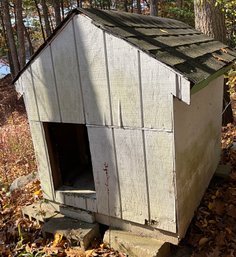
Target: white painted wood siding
(197,148)
(123,71)
(42,158)
(26,88)
(131,168)
(160,171)
(45,87)
(107,185)
(29,95)
(67,76)
(157,82)
(92,66)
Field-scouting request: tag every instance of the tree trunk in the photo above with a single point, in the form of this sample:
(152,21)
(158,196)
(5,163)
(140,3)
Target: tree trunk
(138,7)
(209,19)
(40,19)
(153,7)
(45,17)
(126,5)
(20,33)
(56,6)
(79,3)
(30,46)
(10,37)
(62,9)
(6,42)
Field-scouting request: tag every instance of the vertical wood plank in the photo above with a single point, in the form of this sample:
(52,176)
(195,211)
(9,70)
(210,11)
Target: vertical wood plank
(67,76)
(19,87)
(106,185)
(92,65)
(124,82)
(45,87)
(44,170)
(157,82)
(160,168)
(131,168)
(29,95)
(91,204)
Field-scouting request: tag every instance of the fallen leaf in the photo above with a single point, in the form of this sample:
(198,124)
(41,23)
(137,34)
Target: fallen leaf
(162,30)
(75,252)
(57,239)
(215,253)
(232,211)
(203,240)
(89,253)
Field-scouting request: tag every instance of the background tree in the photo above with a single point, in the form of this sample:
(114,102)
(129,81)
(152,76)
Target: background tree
(57,11)
(10,37)
(209,19)
(153,7)
(20,34)
(46,18)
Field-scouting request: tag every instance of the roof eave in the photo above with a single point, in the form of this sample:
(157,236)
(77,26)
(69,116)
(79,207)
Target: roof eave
(200,85)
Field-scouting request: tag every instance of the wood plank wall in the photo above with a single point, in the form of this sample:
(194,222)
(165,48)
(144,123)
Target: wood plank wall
(125,98)
(199,127)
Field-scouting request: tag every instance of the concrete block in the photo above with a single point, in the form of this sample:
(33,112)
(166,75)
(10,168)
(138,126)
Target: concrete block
(136,246)
(223,170)
(41,211)
(76,213)
(79,233)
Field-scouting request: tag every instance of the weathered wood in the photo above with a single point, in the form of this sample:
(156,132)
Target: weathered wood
(42,159)
(105,171)
(160,167)
(19,87)
(91,204)
(92,66)
(29,95)
(131,170)
(124,82)
(156,81)
(181,89)
(199,127)
(45,87)
(67,76)
(137,228)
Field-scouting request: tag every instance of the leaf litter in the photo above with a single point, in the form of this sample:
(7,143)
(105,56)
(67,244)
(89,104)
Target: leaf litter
(212,232)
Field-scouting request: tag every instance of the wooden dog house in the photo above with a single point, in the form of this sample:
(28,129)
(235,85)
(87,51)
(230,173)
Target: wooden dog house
(125,116)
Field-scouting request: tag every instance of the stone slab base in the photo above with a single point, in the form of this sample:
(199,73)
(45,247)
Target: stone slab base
(136,246)
(79,233)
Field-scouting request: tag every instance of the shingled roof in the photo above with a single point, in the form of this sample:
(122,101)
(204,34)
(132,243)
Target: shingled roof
(172,42)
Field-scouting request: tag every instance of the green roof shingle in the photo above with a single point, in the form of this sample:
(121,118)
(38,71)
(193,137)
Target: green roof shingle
(172,42)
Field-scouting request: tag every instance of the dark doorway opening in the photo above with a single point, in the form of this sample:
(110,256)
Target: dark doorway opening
(69,154)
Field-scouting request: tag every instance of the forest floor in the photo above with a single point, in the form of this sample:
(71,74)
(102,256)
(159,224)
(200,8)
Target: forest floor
(212,232)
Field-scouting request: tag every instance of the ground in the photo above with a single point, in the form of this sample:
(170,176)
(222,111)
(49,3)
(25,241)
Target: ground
(212,232)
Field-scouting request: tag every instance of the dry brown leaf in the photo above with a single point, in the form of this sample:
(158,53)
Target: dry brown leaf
(57,239)
(203,240)
(75,252)
(89,253)
(219,207)
(232,211)
(220,238)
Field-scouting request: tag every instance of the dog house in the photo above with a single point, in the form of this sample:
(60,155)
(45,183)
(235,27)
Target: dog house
(125,115)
